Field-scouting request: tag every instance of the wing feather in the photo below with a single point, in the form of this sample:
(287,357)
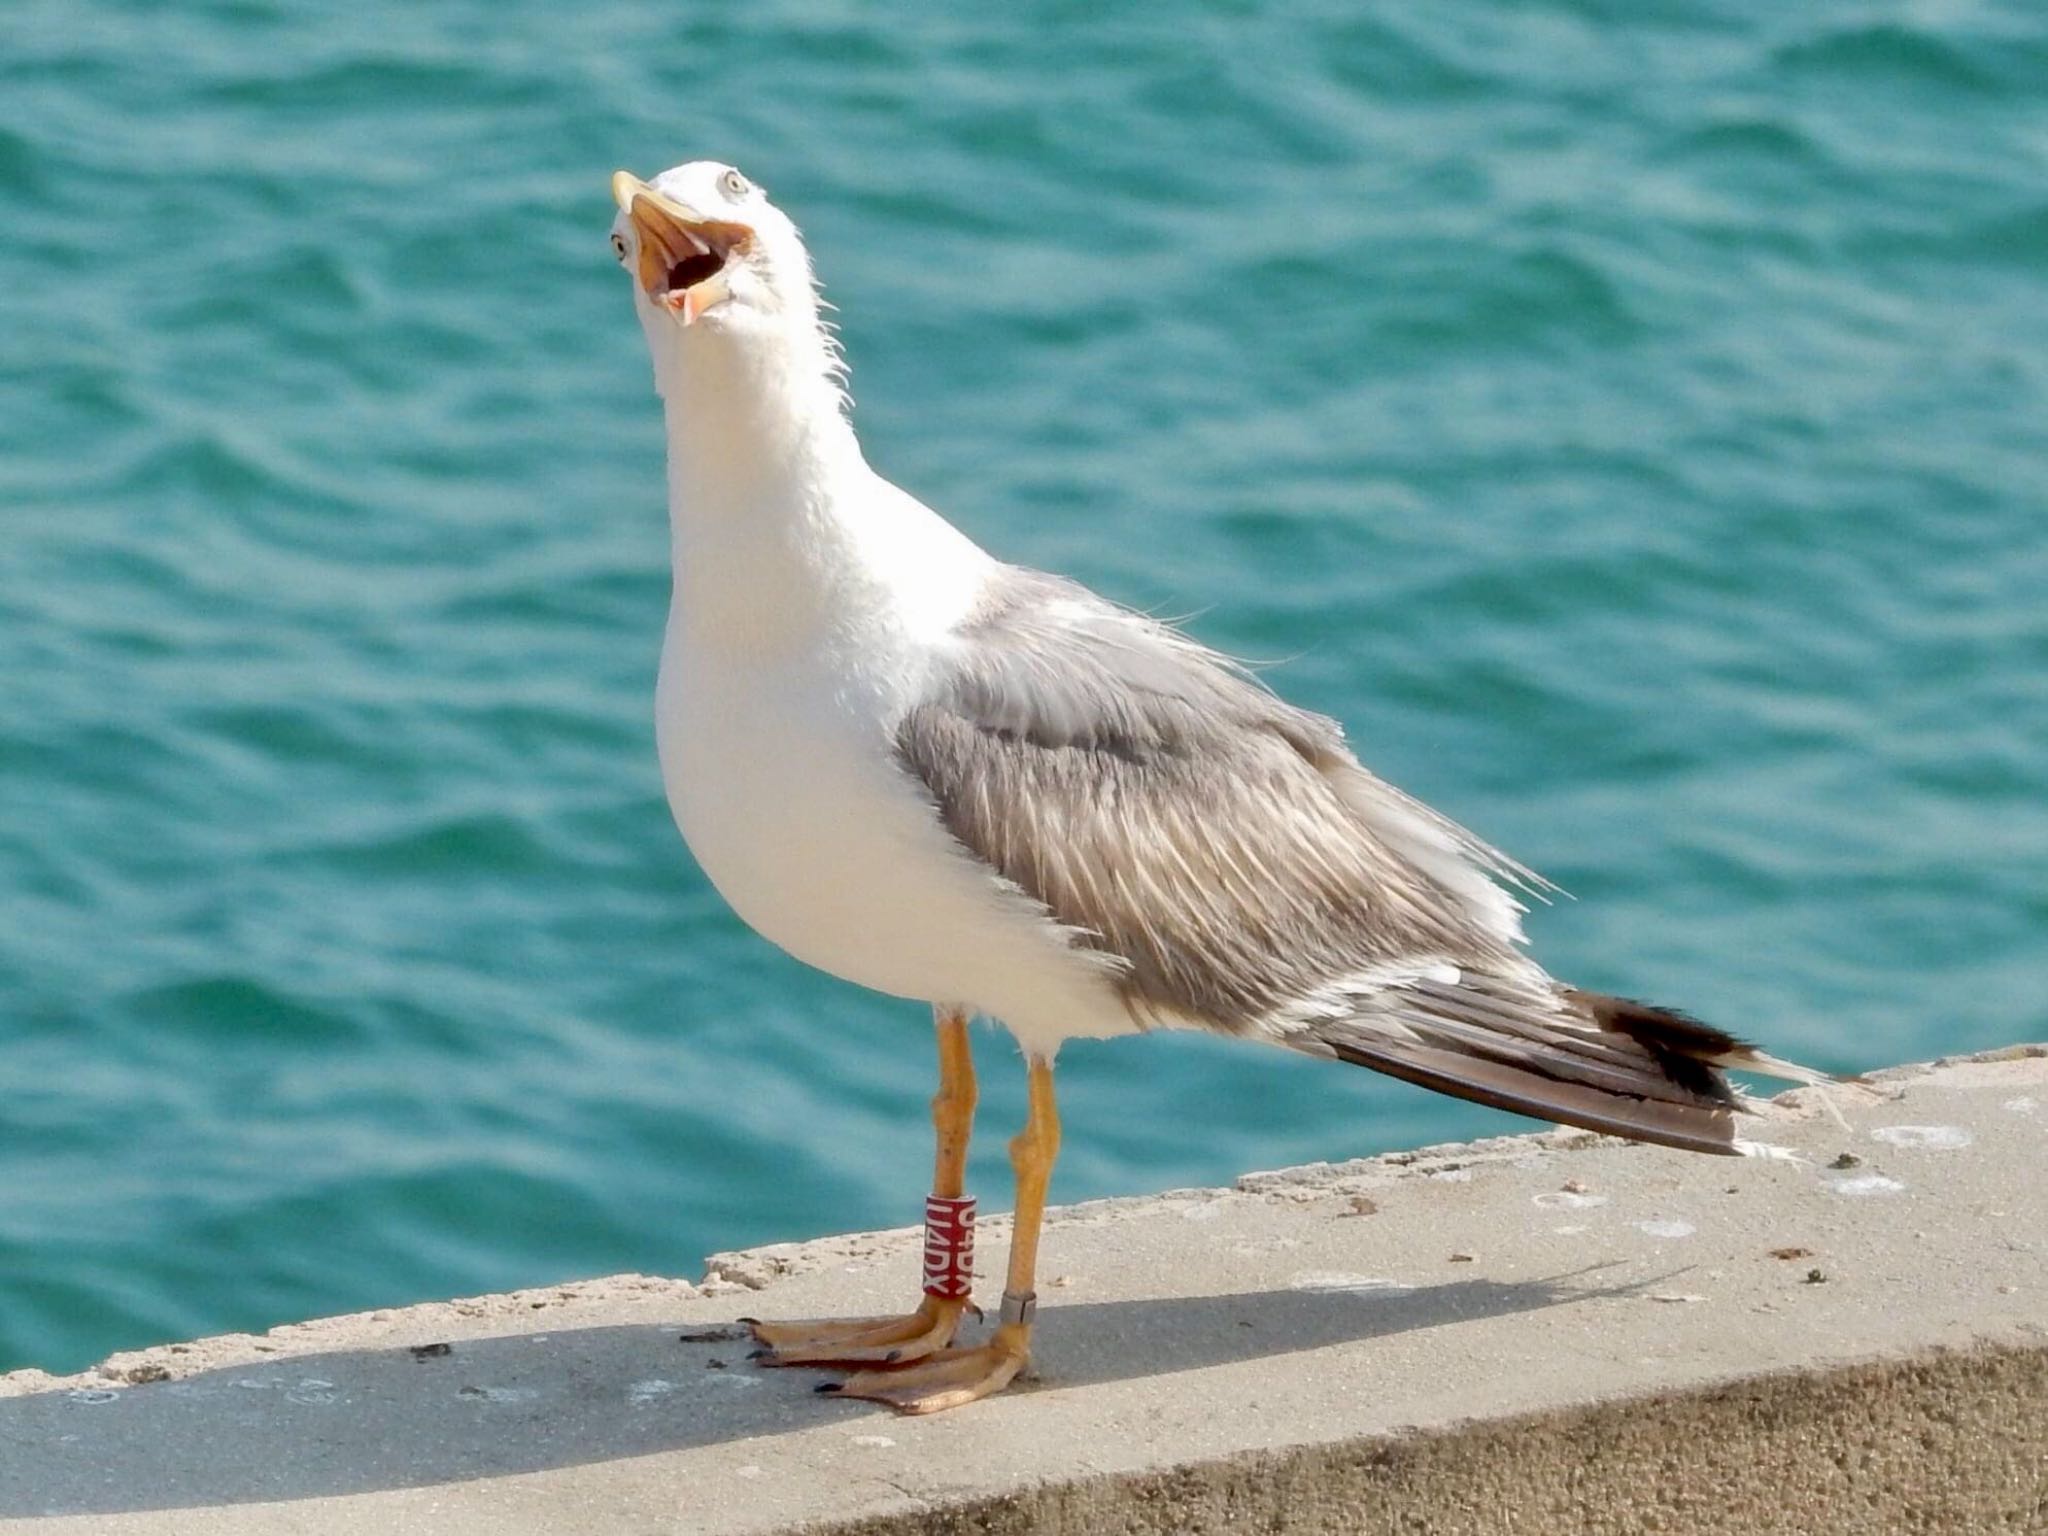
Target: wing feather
(1244,873)
(1172,812)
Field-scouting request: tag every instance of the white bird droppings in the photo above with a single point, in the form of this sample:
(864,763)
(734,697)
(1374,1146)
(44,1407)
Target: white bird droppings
(1943,1138)
(1667,1228)
(1676,1296)
(874,1442)
(502,1394)
(1336,1280)
(1865,1184)
(750,1471)
(2025,1104)
(648,1391)
(93,1395)
(1567,1200)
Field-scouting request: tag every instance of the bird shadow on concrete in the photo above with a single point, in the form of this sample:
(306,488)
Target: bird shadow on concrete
(304,1426)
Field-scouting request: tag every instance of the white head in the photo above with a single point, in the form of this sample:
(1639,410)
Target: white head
(723,287)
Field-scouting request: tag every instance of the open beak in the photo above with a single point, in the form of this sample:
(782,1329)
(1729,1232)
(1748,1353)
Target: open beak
(682,256)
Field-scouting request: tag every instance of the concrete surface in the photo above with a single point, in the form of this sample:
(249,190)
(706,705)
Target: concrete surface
(1550,1333)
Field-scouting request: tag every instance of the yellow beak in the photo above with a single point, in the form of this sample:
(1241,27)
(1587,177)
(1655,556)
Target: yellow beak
(680,254)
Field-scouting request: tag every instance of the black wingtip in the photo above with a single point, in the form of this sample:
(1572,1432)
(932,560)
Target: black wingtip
(1685,1049)
(826,1388)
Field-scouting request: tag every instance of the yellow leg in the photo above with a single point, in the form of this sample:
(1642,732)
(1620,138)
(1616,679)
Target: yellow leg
(952,1377)
(885,1341)
(953,1104)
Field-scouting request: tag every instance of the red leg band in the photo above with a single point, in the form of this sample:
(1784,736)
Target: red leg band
(949,1246)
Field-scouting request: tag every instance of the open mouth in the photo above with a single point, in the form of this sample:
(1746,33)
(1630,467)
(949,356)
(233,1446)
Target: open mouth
(683,257)
(692,270)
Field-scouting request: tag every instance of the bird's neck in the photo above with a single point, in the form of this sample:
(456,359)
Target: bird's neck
(780,530)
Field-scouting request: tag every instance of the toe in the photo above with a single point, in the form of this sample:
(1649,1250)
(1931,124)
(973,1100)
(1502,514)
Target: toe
(880,1349)
(947,1379)
(779,1336)
(876,1342)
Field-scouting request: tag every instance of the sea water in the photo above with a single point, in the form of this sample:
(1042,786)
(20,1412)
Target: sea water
(1628,419)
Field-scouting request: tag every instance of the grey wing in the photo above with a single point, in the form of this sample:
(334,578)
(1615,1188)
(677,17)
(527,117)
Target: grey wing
(1247,875)
(1225,847)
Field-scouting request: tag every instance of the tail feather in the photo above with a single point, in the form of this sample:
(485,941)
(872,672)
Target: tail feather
(1685,1049)
(1603,1063)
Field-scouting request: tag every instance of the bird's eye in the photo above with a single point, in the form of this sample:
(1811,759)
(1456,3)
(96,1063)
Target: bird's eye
(733,184)
(618,245)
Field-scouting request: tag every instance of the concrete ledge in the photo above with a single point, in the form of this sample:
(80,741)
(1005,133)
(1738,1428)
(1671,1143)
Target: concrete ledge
(1539,1333)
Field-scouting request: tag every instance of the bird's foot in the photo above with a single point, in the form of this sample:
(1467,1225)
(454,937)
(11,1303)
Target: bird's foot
(853,1343)
(948,1379)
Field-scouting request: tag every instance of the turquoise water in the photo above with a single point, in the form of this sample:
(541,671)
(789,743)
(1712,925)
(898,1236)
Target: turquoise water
(1629,418)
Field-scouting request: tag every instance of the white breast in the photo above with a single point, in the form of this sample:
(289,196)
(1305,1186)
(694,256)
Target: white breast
(783,778)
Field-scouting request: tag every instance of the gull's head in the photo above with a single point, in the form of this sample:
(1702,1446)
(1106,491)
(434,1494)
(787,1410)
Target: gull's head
(709,254)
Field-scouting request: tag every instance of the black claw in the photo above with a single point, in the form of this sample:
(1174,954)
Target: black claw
(826,1387)
(759,1354)
(892,1357)
(751,1322)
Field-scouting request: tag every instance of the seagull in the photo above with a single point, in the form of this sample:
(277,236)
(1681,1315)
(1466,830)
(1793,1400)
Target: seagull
(960,781)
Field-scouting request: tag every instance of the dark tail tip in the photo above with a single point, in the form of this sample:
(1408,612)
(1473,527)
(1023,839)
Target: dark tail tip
(1686,1050)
